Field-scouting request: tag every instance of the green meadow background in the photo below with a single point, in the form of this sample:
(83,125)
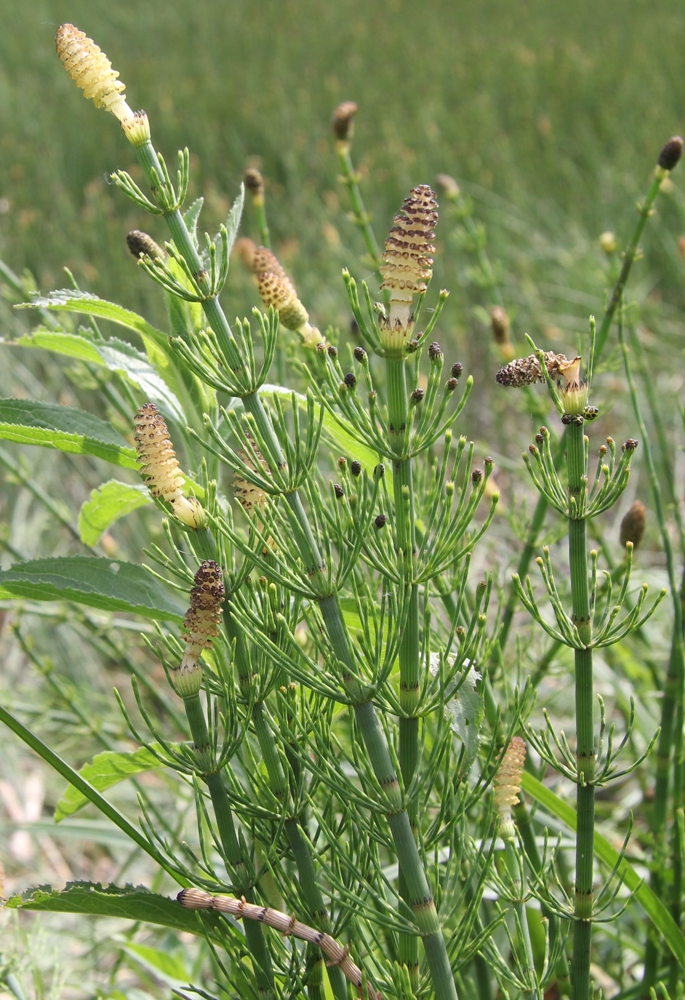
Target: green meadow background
(551,114)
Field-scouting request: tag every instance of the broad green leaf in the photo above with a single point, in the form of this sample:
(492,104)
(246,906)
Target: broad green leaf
(104,770)
(100,583)
(650,903)
(68,300)
(71,345)
(107,504)
(167,967)
(129,902)
(28,421)
(156,341)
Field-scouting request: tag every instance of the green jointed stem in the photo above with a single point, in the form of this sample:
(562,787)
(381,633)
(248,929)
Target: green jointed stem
(229,841)
(602,334)
(299,844)
(644,212)
(585,730)
(372,734)
(408,652)
(672,706)
(362,217)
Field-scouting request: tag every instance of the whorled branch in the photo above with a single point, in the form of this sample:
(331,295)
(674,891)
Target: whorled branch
(198,899)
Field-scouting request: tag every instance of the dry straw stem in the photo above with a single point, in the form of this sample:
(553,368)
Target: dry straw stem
(197,899)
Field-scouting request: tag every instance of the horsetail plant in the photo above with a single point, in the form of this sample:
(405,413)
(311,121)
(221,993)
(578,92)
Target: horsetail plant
(330,717)
(578,499)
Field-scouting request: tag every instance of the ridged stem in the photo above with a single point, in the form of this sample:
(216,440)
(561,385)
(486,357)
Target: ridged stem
(512,862)
(299,844)
(525,827)
(540,511)
(229,841)
(369,727)
(585,730)
(362,217)
(408,651)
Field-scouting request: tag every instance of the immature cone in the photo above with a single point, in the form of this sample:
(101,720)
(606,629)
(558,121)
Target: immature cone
(447,186)
(671,153)
(507,785)
(277,290)
(526,371)
(342,121)
(159,465)
(201,626)
(91,70)
(140,244)
(407,264)
(500,323)
(254,182)
(633,525)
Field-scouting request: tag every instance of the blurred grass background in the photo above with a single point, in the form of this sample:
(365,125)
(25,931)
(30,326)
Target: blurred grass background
(551,117)
(559,109)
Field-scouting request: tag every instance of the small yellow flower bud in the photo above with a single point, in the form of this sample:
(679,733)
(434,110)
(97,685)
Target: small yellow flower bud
(607,242)
(201,625)
(91,70)
(507,785)
(159,466)
(407,264)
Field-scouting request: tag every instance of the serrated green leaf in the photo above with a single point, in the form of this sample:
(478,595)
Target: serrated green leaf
(100,583)
(650,903)
(159,353)
(191,216)
(71,345)
(87,304)
(129,902)
(234,216)
(49,425)
(466,712)
(108,503)
(104,770)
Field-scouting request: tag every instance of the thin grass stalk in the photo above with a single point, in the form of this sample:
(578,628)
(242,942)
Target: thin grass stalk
(408,652)
(585,730)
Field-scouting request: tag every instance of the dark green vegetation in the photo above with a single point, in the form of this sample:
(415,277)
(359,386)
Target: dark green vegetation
(550,118)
